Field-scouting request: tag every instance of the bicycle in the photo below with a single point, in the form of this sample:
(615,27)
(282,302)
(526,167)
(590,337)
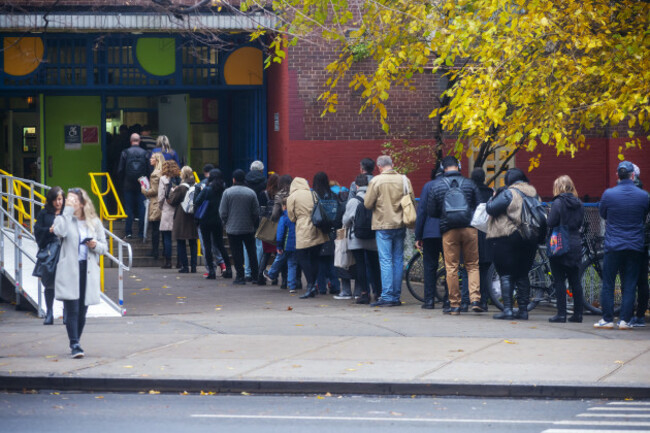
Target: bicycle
(414,275)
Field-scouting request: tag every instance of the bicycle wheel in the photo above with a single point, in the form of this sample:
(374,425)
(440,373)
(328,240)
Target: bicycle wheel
(414,275)
(592,284)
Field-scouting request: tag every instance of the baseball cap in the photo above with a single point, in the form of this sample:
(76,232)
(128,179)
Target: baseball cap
(626,165)
(637,170)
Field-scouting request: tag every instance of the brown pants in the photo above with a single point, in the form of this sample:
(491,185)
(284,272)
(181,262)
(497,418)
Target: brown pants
(453,242)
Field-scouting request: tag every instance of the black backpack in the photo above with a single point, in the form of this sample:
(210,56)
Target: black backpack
(533,219)
(455,209)
(136,166)
(362,225)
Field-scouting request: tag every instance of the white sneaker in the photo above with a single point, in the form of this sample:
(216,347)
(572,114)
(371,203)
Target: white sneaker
(342,297)
(622,324)
(603,324)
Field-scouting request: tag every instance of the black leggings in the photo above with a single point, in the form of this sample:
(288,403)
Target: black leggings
(76,309)
(561,274)
(308,260)
(214,234)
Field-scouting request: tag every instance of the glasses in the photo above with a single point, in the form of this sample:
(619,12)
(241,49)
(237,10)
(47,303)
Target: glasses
(77,192)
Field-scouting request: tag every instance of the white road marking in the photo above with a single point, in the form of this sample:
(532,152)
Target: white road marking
(604,423)
(628,403)
(560,430)
(615,415)
(622,409)
(376,419)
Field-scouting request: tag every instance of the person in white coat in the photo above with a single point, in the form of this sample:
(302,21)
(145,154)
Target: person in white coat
(77,281)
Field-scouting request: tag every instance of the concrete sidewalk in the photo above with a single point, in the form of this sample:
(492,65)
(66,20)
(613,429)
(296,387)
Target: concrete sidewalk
(185,333)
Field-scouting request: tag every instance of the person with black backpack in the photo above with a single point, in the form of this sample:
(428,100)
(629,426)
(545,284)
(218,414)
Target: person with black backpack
(361,241)
(134,164)
(513,255)
(453,198)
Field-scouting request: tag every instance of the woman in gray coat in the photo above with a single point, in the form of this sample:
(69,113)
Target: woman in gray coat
(77,281)
(364,250)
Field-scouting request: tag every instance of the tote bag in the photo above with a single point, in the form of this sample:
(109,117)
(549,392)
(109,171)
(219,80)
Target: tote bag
(480,218)
(408,207)
(267,230)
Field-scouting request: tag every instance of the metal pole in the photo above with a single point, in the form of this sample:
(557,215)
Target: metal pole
(31,208)
(41,313)
(19,264)
(120,280)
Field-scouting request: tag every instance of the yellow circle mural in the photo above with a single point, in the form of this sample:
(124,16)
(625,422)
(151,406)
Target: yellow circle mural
(22,55)
(244,67)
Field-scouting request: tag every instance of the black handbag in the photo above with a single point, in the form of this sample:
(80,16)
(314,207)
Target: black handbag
(327,214)
(47,259)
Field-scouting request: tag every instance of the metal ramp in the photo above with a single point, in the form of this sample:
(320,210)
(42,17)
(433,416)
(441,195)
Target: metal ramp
(18,249)
(30,288)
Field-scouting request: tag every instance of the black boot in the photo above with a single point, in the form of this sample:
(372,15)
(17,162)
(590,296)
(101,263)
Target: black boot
(558,318)
(578,299)
(49,302)
(506,293)
(523,298)
(310,293)
(167,263)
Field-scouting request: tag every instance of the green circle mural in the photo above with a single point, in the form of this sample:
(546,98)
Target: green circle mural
(157,56)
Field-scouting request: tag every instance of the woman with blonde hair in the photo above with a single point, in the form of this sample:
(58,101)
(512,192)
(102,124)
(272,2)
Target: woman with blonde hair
(566,212)
(169,179)
(165,148)
(184,226)
(77,274)
(151,194)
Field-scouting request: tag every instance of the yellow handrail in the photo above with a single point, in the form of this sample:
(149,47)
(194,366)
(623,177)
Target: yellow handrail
(19,205)
(104,214)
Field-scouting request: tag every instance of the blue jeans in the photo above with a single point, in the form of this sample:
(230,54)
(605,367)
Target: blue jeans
(134,200)
(167,243)
(628,264)
(326,272)
(390,246)
(288,257)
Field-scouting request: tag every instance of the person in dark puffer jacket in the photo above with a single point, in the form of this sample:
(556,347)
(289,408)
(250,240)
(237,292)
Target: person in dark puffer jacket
(567,210)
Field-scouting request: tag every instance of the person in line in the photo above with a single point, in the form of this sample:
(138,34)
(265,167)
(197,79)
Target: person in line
(364,250)
(458,236)
(239,211)
(286,251)
(163,146)
(624,209)
(151,194)
(309,239)
(256,180)
(428,240)
(147,142)
(210,224)
(638,321)
(326,271)
(513,256)
(367,167)
(284,185)
(134,164)
(217,258)
(184,227)
(484,250)
(383,197)
(567,210)
(44,236)
(170,179)
(77,282)
(266,200)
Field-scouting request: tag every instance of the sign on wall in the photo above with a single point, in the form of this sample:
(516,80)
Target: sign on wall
(90,134)
(72,137)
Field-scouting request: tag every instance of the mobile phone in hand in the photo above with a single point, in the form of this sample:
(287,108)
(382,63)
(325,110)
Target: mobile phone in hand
(85,240)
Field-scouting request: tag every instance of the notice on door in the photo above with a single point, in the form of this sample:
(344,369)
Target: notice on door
(72,139)
(90,134)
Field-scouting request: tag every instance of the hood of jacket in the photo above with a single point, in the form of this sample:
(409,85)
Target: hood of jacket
(256,180)
(526,188)
(299,183)
(569,201)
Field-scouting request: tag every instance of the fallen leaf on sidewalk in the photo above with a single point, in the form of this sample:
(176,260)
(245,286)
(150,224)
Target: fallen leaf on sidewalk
(50,356)
(99,397)
(323,305)
(619,362)
(153,392)
(289,308)
(245,393)
(57,407)
(320,397)
(184,393)
(218,305)
(629,399)
(146,289)
(127,366)
(509,342)
(180,297)
(296,366)
(328,395)
(217,309)
(55,393)
(208,393)
(299,325)
(350,369)
(396,413)
(514,323)
(165,287)
(138,279)
(134,293)
(269,302)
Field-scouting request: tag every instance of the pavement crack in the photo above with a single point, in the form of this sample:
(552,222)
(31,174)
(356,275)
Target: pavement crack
(464,355)
(619,366)
(385,328)
(164,346)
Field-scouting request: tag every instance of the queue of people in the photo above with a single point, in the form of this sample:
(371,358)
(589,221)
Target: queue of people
(370,221)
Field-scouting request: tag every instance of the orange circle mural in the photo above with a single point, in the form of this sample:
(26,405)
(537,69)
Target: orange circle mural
(22,55)
(244,67)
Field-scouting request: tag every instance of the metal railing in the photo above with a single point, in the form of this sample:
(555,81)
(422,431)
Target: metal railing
(104,214)
(11,221)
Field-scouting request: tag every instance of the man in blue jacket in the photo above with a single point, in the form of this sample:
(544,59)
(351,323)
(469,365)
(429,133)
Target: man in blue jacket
(624,208)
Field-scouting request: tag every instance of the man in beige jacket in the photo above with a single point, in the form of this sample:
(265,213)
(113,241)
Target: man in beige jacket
(384,195)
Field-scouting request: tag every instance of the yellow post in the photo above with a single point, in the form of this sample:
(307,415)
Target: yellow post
(101,271)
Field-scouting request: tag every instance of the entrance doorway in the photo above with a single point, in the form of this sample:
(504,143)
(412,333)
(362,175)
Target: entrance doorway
(20,140)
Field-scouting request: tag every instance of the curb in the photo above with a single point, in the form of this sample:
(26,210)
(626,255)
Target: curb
(92,384)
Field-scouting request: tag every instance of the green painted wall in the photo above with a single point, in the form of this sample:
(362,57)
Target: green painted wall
(71,167)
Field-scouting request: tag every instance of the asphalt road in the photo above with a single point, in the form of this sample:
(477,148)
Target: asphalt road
(75,412)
